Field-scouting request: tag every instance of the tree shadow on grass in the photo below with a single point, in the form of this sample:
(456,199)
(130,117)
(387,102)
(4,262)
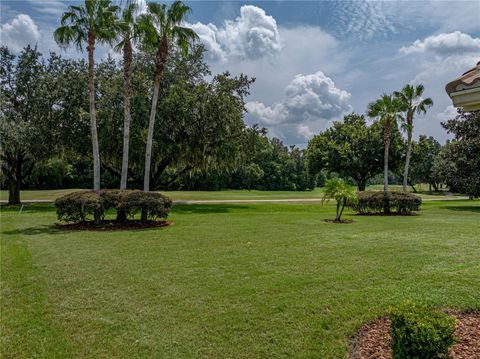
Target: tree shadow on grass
(208,208)
(475,209)
(33,231)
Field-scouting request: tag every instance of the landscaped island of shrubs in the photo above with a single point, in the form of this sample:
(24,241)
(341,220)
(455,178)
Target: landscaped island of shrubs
(89,207)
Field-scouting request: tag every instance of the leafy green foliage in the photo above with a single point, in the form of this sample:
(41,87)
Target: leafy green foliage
(151,205)
(419,332)
(393,201)
(459,162)
(343,193)
(424,153)
(351,148)
(30,99)
(80,206)
(95,18)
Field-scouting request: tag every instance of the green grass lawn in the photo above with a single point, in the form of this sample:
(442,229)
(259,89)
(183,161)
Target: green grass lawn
(227,280)
(221,195)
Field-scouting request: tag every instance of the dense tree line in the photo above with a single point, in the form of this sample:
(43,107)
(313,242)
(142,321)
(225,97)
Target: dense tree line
(201,141)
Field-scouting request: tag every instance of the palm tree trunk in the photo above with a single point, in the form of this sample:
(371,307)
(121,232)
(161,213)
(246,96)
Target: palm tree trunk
(127,69)
(387,139)
(93,114)
(344,203)
(160,63)
(407,159)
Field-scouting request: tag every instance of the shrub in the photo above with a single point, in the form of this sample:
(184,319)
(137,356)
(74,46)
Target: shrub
(151,205)
(111,197)
(78,206)
(418,332)
(386,202)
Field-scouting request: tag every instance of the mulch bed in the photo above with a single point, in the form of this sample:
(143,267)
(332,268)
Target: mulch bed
(343,221)
(373,339)
(110,225)
(387,214)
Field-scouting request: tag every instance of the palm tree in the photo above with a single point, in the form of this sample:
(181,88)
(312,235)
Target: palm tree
(161,28)
(386,109)
(89,23)
(412,101)
(129,33)
(343,193)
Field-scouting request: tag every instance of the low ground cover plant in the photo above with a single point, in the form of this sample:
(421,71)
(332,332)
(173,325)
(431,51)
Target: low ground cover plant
(386,202)
(82,207)
(420,332)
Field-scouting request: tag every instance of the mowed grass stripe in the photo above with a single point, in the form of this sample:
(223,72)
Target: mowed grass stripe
(28,326)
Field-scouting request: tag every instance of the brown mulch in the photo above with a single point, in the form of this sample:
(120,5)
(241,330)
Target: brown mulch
(343,221)
(373,339)
(387,214)
(110,225)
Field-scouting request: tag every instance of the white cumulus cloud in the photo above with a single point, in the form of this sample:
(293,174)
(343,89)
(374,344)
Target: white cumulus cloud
(252,35)
(19,32)
(310,102)
(444,44)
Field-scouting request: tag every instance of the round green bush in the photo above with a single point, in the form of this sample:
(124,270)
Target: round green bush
(151,205)
(386,202)
(419,332)
(80,207)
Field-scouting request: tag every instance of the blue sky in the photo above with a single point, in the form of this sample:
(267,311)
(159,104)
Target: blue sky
(313,61)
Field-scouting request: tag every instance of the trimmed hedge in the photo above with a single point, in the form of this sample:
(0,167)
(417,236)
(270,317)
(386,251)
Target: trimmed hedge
(386,202)
(418,332)
(151,205)
(81,206)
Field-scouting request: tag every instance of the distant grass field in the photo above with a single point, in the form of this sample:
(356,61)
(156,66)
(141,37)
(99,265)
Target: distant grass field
(227,280)
(221,195)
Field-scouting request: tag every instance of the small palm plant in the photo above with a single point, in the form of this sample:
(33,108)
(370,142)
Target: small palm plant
(343,193)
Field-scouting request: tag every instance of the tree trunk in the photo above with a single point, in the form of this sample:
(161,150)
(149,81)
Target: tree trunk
(127,116)
(159,64)
(344,203)
(93,114)
(361,184)
(409,153)
(13,192)
(15,179)
(413,187)
(144,216)
(387,139)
